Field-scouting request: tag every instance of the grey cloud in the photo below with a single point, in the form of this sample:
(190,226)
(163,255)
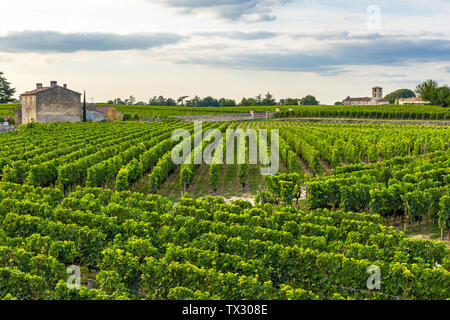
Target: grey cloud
(249,10)
(337,57)
(239,35)
(52,41)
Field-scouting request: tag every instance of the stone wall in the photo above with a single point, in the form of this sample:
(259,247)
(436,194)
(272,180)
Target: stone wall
(58,105)
(28,108)
(18,116)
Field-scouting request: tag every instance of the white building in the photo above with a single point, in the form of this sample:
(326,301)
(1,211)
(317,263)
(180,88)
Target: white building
(414,101)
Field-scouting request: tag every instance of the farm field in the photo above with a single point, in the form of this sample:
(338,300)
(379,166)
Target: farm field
(347,112)
(108,198)
(93,154)
(371,112)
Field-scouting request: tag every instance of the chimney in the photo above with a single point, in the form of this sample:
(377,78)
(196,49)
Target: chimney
(53,83)
(38,85)
(65,86)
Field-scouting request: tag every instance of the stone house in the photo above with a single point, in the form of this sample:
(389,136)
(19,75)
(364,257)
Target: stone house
(50,104)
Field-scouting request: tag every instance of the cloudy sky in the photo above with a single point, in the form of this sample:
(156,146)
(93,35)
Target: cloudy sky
(232,48)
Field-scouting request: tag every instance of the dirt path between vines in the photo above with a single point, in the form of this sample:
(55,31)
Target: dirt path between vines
(170,187)
(304,166)
(200,183)
(325,166)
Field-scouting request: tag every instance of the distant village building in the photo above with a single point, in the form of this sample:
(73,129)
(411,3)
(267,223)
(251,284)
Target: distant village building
(418,101)
(377,99)
(356,101)
(49,104)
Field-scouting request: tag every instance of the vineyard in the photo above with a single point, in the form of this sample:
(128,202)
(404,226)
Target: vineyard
(368,112)
(108,198)
(361,112)
(7,110)
(225,159)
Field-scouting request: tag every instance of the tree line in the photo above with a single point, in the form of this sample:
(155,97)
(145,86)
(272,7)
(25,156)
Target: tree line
(267,100)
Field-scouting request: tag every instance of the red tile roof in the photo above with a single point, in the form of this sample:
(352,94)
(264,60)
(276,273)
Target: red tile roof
(35,91)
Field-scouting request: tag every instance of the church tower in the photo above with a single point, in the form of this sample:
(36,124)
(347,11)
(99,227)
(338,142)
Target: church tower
(377,93)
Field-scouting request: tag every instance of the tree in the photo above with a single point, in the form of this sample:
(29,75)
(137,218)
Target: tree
(181,99)
(194,102)
(338,103)
(253,102)
(161,101)
(118,101)
(6,92)
(227,102)
(209,102)
(258,99)
(309,100)
(399,94)
(268,100)
(153,101)
(291,102)
(428,90)
(132,99)
(443,96)
(84,107)
(244,102)
(171,102)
